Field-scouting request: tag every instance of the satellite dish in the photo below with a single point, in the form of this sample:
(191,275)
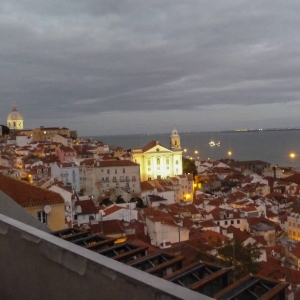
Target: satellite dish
(47,209)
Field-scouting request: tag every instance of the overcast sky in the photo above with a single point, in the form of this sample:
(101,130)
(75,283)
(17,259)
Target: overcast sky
(131,66)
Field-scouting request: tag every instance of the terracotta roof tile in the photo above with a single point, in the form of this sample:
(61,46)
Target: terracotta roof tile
(28,195)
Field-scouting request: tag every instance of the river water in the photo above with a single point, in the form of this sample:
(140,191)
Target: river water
(271,146)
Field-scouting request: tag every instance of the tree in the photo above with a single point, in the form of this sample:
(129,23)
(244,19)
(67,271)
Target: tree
(188,166)
(106,202)
(242,258)
(138,201)
(120,200)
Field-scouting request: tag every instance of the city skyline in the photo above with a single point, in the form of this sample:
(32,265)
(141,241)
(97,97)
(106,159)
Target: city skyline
(105,67)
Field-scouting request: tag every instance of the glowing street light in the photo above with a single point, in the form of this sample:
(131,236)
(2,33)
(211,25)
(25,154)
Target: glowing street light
(292,155)
(229,153)
(196,151)
(185,150)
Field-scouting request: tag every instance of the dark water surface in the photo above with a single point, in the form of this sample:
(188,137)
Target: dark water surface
(270,146)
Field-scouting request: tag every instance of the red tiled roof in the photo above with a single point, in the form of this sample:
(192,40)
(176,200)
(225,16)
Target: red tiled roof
(28,195)
(146,186)
(87,207)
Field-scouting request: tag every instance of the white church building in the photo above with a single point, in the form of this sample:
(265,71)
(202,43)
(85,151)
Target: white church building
(157,161)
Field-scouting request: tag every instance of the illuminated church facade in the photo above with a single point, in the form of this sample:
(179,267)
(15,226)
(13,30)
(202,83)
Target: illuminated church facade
(15,119)
(157,161)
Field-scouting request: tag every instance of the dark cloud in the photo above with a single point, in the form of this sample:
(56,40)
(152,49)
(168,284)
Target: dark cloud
(61,59)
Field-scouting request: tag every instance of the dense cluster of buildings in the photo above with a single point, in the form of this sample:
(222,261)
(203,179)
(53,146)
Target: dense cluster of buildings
(144,197)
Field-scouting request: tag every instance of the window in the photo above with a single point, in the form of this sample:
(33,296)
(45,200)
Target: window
(238,221)
(167,161)
(149,162)
(107,171)
(116,171)
(158,161)
(123,170)
(176,162)
(42,217)
(226,222)
(231,222)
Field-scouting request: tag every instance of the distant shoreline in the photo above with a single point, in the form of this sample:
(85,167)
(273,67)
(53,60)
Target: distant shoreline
(195,132)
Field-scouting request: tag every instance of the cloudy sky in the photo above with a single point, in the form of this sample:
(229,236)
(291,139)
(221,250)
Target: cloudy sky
(117,67)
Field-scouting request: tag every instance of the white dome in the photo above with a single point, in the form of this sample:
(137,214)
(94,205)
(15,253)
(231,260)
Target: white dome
(14,115)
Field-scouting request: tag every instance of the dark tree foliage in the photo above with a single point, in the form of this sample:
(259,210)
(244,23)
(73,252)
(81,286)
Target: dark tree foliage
(242,258)
(139,202)
(106,202)
(188,166)
(120,200)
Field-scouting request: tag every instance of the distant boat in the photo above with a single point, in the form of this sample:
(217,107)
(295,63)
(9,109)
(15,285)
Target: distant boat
(212,143)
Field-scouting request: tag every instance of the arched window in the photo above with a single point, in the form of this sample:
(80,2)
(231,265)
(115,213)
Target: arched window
(158,161)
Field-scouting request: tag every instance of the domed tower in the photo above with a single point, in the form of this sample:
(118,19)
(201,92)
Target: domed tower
(15,119)
(175,140)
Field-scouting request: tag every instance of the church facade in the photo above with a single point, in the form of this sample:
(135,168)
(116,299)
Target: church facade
(157,161)
(15,120)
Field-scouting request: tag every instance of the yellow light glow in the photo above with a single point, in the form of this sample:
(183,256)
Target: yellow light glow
(196,151)
(229,153)
(187,196)
(292,155)
(185,150)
